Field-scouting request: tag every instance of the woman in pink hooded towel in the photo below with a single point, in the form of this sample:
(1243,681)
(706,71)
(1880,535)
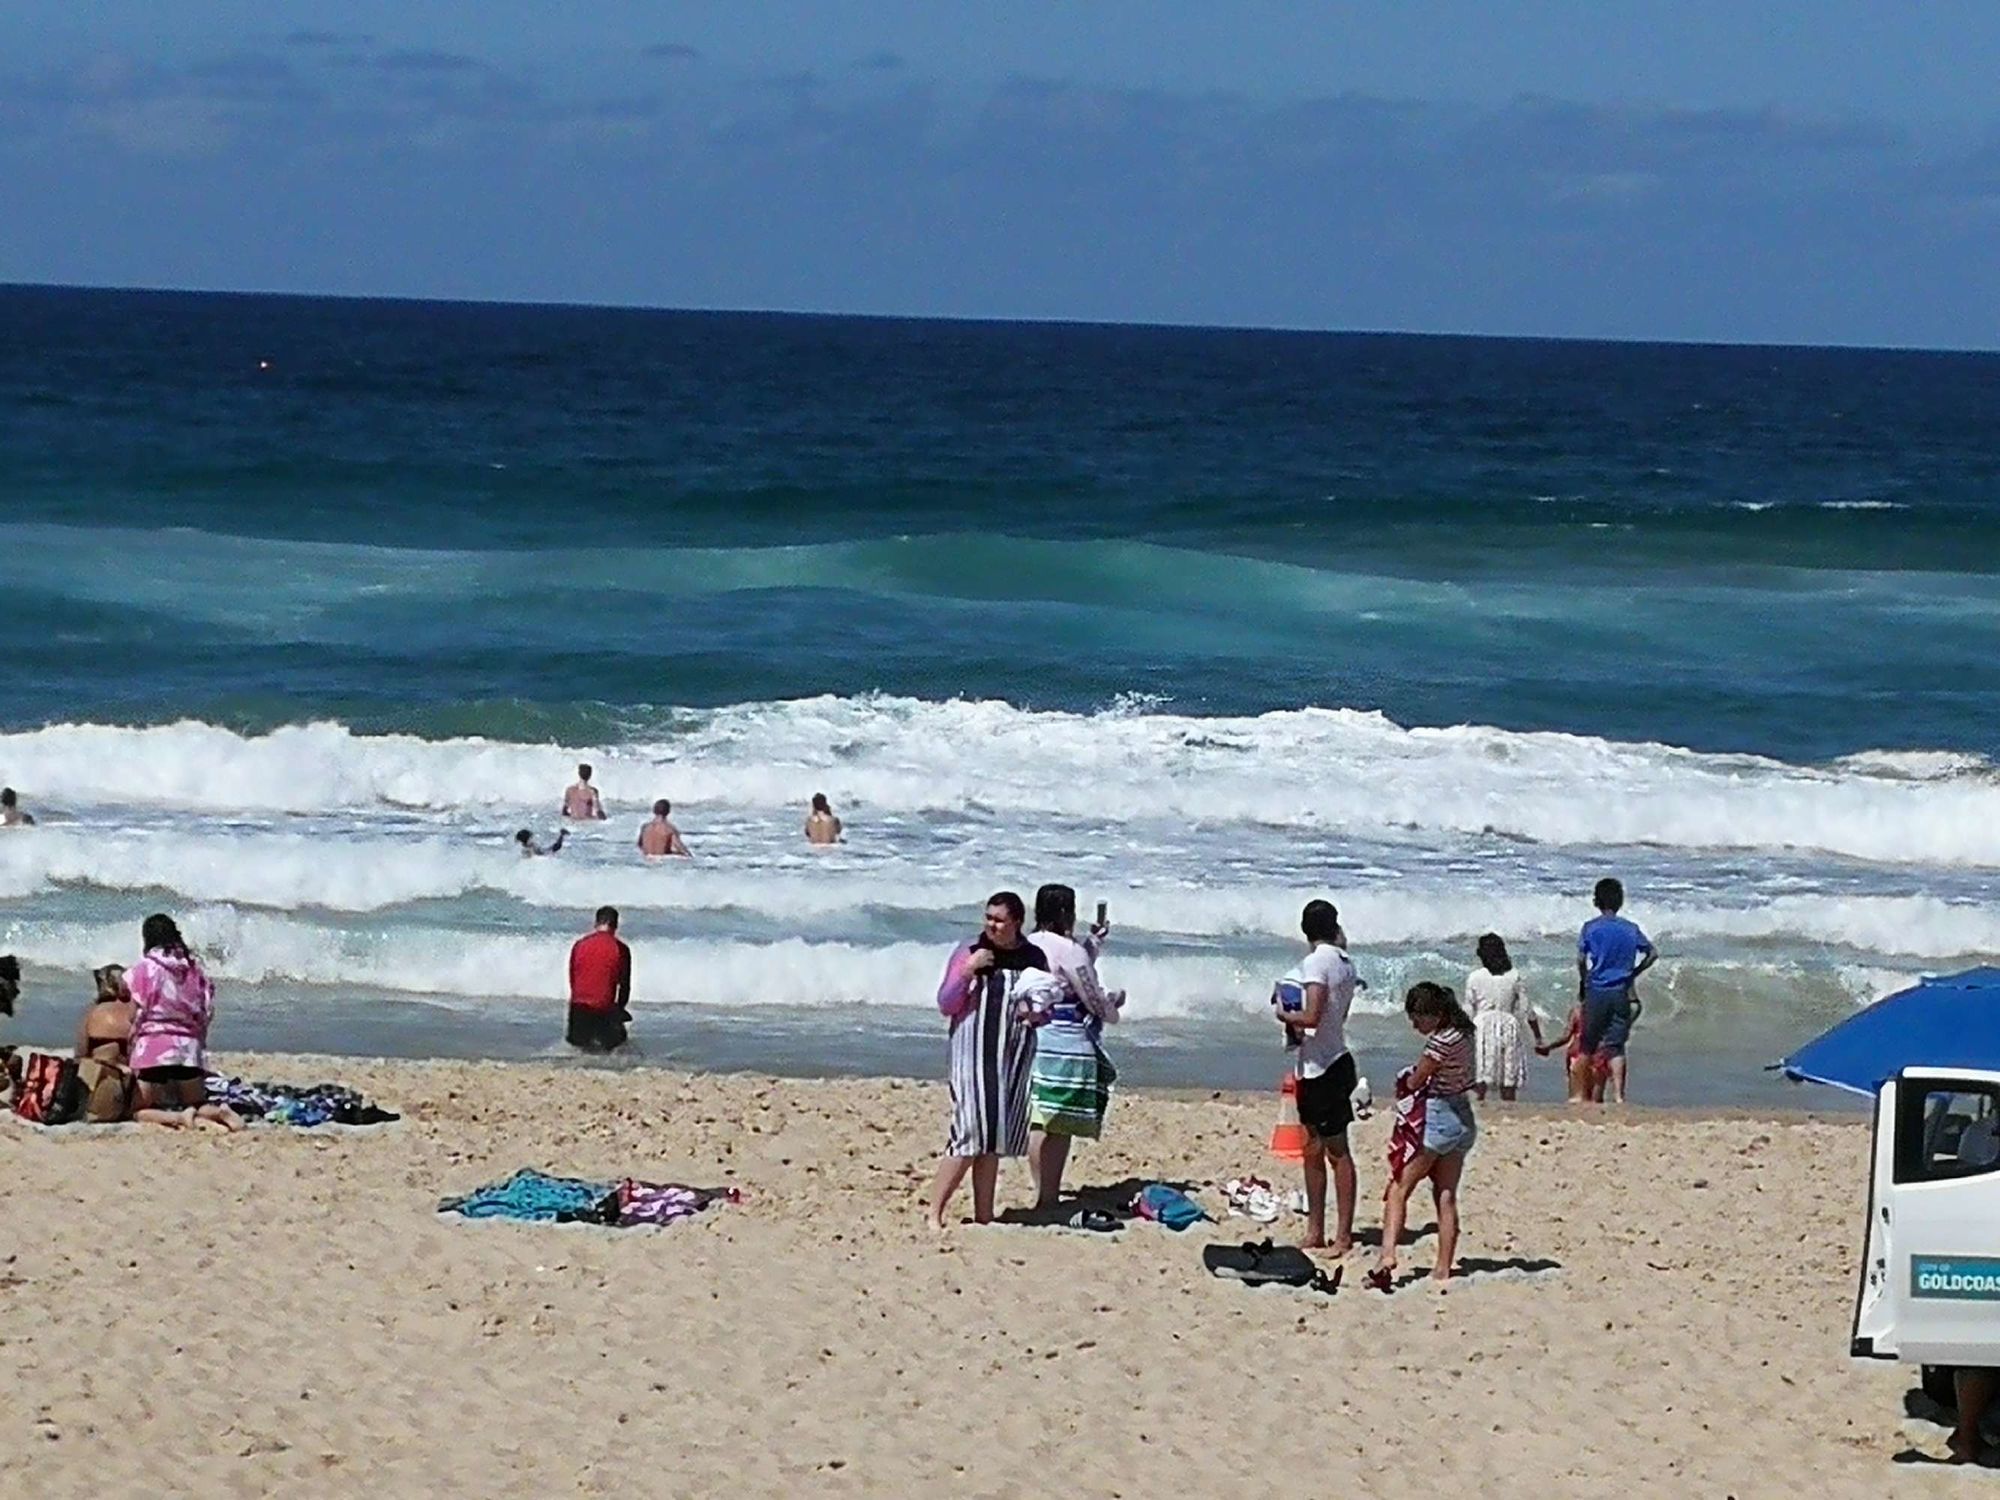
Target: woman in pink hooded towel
(173,1004)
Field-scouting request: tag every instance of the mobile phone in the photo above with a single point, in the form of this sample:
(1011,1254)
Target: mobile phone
(1102,908)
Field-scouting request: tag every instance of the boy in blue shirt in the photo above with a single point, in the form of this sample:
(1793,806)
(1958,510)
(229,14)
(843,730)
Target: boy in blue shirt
(1610,953)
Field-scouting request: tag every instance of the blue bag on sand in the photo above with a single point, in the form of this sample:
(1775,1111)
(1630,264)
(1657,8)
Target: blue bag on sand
(1168,1206)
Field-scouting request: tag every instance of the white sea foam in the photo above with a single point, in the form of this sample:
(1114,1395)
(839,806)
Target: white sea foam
(245,950)
(284,871)
(1318,770)
(262,948)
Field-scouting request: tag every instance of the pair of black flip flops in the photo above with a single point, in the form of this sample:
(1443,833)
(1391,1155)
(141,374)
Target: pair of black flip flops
(1266,1264)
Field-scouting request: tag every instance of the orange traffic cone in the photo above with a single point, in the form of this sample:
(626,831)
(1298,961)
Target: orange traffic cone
(1288,1136)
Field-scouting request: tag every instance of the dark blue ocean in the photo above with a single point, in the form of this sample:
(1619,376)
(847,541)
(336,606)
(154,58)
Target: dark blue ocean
(311,602)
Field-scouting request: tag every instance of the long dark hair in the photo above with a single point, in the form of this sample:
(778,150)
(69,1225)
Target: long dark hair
(1493,953)
(159,931)
(1055,909)
(1437,1002)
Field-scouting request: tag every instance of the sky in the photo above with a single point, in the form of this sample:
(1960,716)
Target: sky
(1781,172)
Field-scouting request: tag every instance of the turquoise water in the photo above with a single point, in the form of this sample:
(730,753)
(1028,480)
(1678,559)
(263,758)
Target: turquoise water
(313,602)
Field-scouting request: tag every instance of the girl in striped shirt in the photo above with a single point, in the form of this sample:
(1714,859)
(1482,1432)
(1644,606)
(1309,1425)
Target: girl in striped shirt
(1439,1089)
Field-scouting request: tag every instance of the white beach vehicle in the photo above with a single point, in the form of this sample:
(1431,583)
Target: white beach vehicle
(1930,1271)
(1929,1056)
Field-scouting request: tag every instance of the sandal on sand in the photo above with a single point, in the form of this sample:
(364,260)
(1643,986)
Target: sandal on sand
(1382,1279)
(1096,1220)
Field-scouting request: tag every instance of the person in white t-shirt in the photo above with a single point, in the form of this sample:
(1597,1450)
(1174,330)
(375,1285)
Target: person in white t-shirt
(1311,1003)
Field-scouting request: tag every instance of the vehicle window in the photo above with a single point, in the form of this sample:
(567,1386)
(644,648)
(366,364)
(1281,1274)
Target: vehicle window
(1947,1130)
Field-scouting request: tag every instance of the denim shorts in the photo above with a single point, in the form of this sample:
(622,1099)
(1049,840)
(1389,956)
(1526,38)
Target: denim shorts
(1449,1129)
(1607,1020)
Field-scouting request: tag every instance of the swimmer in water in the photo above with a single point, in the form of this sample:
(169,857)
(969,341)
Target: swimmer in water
(11,815)
(659,838)
(822,827)
(581,802)
(531,848)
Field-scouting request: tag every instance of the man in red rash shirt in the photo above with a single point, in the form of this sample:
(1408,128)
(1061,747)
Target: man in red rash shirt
(600,986)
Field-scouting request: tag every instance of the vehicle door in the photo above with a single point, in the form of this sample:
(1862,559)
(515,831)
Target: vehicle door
(1930,1290)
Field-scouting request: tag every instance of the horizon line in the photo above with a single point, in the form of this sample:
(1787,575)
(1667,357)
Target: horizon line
(1300,329)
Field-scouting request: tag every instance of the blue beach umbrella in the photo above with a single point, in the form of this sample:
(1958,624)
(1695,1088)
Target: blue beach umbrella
(1942,1021)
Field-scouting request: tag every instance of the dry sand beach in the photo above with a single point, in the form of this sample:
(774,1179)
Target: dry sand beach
(275,1310)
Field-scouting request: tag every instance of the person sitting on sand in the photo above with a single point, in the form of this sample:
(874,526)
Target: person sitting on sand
(1069,1085)
(173,1004)
(600,987)
(659,839)
(531,847)
(1494,995)
(1440,1084)
(1311,1002)
(104,1048)
(11,815)
(104,1033)
(992,1049)
(822,827)
(581,802)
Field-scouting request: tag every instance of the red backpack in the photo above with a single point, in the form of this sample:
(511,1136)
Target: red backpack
(49,1092)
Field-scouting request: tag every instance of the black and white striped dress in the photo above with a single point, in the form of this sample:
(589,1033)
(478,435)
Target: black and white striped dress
(992,1053)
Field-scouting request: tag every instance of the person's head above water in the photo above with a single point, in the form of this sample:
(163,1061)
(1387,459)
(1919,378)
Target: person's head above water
(7,797)
(820,804)
(583,773)
(525,836)
(1320,922)
(607,918)
(1055,909)
(1609,895)
(662,808)
(160,931)
(1492,952)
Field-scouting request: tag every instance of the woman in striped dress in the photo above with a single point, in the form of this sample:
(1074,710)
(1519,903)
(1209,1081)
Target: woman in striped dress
(986,995)
(1069,1088)
(1440,1084)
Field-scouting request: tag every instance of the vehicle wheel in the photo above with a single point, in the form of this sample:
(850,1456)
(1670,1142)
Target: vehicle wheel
(1938,1385)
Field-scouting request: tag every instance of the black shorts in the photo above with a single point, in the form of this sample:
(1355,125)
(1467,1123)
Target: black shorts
(596,1030)
(1326,1103)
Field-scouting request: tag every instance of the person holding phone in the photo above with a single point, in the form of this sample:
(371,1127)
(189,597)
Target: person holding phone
(1069,1087)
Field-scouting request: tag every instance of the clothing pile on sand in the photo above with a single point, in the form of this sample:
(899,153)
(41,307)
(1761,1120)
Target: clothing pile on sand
(534,1197)
(303,1105)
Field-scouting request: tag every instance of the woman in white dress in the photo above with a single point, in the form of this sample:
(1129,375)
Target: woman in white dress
(1499,1009)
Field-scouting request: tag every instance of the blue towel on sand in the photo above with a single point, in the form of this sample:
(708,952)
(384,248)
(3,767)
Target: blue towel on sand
(534,1197)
